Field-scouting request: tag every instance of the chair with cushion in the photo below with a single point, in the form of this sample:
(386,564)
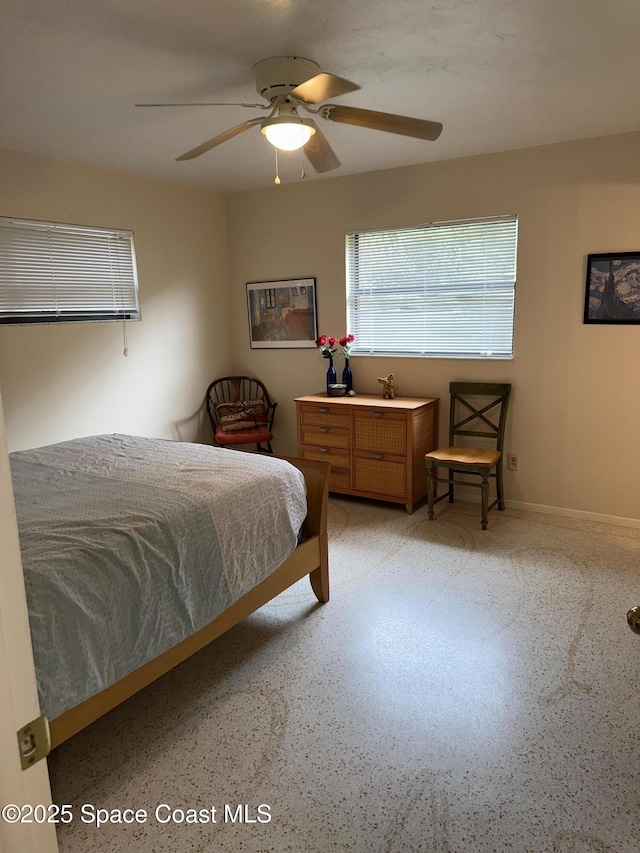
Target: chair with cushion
(478,409)
(241,412)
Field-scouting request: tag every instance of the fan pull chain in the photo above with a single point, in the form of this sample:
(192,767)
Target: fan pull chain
(303,174)
(277,177)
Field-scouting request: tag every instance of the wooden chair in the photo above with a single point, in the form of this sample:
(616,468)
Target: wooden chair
(240,412)
(489,419)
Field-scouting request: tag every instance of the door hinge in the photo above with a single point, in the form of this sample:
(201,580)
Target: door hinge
(34,742)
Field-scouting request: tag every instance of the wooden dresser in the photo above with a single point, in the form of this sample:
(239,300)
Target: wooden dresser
(376,447)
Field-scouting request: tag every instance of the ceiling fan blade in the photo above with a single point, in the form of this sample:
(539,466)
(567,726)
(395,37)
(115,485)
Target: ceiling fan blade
(320,154)
(321,87)
(219,139)
(403,125)
(212,104)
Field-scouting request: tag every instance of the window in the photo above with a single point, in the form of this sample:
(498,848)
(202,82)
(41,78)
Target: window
(444,290)
(52,273)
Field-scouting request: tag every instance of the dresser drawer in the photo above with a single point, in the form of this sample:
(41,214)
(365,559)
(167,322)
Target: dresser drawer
(340,481)
(339,459)
(324,416)
(379,474)
(326,436)
(380,431)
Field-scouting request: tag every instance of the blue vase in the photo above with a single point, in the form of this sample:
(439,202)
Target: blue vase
(331,375)
(347,378)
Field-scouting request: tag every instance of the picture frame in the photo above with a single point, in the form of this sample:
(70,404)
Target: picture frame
(282,314)
(612,288)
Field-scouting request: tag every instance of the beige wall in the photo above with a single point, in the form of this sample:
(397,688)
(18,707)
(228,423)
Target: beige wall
(64,381)
(575,415)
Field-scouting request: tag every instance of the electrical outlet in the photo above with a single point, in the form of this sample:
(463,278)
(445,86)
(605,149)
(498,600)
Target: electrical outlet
(512,461)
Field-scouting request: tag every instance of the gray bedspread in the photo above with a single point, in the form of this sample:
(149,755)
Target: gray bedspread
(131,544)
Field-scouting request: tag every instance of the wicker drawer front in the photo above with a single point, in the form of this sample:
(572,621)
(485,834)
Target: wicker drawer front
(381,476)
(325,436)
(340,481)
(380,432)
(324,416)
(338,458)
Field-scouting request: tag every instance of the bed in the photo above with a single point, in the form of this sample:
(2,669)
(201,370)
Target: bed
(139,552)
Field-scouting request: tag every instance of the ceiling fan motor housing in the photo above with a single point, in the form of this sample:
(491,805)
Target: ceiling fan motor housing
(280,74)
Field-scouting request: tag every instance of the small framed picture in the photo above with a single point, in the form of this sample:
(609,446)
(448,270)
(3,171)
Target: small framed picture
(282,314)
(612,292)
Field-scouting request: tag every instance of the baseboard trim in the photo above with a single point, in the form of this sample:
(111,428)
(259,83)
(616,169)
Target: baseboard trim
(575,513)
(473,497)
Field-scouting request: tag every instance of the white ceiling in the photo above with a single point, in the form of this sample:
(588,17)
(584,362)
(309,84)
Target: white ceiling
(499,74)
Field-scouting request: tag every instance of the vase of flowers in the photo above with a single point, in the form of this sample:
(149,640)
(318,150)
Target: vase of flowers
(328,349)
(347,378)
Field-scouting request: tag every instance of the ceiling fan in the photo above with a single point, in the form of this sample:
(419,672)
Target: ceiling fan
(292,83)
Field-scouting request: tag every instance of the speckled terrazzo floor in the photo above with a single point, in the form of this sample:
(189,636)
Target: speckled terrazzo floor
(463,691)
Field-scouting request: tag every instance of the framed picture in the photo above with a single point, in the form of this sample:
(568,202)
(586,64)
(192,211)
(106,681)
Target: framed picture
(613,288)
(282,314)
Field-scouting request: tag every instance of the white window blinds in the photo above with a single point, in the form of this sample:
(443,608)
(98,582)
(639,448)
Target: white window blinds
(445,290)
(51,273)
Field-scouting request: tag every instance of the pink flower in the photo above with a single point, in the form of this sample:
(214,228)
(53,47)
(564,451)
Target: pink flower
(345,343)
(327,346)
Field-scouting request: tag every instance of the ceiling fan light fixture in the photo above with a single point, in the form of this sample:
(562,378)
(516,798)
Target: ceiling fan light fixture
(288,133)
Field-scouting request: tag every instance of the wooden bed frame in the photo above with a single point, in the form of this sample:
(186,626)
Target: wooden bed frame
(309,558)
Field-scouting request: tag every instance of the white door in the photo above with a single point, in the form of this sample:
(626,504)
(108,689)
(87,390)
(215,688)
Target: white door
(18,693)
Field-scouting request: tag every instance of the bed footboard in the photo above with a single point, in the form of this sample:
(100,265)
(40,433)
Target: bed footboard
(316,475)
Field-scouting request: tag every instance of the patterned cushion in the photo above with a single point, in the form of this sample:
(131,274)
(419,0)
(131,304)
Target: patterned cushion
(247,414)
